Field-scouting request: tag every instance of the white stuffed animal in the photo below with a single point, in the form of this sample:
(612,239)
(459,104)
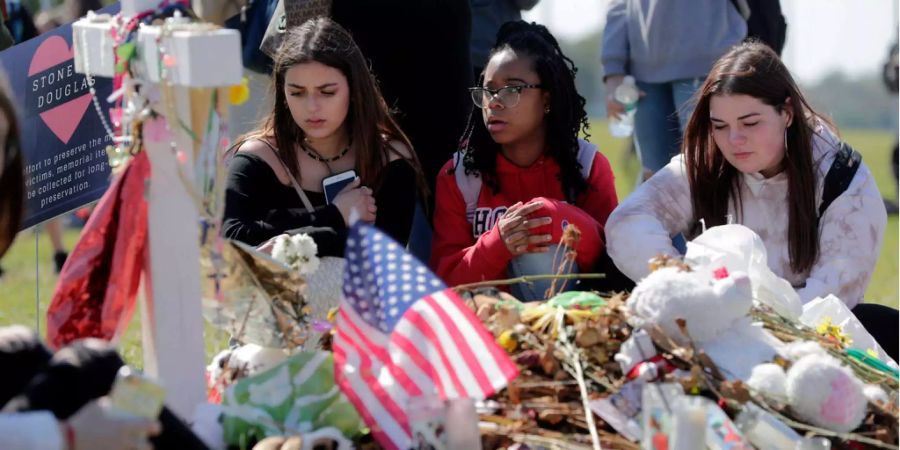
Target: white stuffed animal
(715,306)
(770,380)
(825,393)
(740,249)
(709,306)
(819,389)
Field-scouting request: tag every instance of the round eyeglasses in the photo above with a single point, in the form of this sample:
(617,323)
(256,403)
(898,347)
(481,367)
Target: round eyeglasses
(508,96)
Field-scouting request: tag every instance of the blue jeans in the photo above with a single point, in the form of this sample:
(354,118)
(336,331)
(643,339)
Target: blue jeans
(536,264)
(662,114)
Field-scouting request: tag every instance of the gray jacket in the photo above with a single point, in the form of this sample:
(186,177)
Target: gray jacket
(658,41)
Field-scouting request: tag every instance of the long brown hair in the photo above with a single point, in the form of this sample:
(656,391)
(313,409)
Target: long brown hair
(755,70)
(12,182)
(369,121)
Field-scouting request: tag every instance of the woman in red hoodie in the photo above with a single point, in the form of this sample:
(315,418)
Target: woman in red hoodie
(522,174)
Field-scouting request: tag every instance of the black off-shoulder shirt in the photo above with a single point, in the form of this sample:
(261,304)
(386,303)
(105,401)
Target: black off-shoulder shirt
(258,207)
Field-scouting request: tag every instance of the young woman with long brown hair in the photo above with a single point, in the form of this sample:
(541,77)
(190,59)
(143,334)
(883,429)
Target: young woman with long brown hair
(329,117)
(755,151)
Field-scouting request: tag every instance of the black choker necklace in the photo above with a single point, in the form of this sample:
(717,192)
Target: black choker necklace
(312,153)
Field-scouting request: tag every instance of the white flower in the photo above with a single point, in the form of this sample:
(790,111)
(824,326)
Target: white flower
(305,246)
(297,251)
(281,248)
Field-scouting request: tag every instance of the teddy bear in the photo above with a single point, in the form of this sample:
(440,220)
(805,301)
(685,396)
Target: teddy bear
(708,306)
(739,248)
(715,307)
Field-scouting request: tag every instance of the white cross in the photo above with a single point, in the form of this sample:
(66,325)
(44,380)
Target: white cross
(173,333)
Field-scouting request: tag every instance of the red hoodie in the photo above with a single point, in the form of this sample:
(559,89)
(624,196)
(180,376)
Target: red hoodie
(466,250)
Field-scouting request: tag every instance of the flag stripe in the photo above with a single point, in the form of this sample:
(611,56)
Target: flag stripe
(460,365)
(379,351)
(426,348)
(355,391)
(391,416)
(494,360)
(403,349)
(469,359)
(425,328)
(386,388)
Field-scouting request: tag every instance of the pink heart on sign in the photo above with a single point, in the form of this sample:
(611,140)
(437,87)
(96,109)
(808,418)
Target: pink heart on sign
(63,119)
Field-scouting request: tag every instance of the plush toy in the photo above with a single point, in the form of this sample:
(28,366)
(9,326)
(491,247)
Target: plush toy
(714,305)
(738,248)
(818,389)
(825,393)
(635,350)
(709,306)
(798,349)
(769,380)
(639,359)
(255,359)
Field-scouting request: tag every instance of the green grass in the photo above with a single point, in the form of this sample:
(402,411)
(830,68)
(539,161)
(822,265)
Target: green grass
(20,293)
(18,286)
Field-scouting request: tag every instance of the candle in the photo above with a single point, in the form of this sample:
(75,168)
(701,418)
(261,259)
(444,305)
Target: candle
(462,425)
(814,443)
(764,430)
(689,428)
(444,425)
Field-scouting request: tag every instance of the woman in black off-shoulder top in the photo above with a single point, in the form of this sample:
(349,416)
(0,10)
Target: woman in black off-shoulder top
(329,117)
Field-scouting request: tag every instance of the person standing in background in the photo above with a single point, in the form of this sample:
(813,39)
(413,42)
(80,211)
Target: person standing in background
(668,47)
(419,51)
(19,21)
(487,17)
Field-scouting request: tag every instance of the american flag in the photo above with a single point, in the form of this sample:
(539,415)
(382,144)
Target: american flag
(402,334)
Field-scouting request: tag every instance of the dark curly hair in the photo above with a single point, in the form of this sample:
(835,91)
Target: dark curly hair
(567,116)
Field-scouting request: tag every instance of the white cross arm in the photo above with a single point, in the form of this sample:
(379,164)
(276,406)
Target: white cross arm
(196,56)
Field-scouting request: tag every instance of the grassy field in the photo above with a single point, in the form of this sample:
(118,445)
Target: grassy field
(26,288)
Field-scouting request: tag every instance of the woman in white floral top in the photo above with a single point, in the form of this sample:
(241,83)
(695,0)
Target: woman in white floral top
(754,150)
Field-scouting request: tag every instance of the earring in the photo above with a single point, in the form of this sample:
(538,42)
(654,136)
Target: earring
(785,141)
(547,109)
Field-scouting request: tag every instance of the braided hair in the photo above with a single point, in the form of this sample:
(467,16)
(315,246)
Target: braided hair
(567,116)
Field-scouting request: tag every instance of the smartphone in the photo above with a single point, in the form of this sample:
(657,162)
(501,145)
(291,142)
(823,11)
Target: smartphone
(333,185)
